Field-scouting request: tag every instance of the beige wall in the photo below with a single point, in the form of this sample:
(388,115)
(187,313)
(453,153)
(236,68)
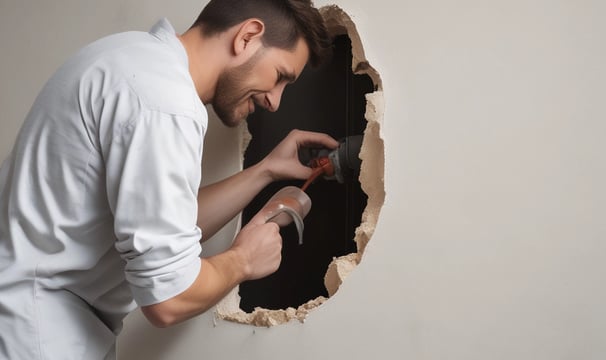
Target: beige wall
(491,243)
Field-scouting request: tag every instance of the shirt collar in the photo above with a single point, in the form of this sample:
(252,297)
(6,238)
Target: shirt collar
(164,31)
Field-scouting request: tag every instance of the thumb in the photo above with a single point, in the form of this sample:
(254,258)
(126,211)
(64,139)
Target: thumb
(298,171)
(260,218)
(302,172)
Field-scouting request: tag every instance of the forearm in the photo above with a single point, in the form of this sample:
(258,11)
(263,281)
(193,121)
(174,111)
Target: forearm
(220,202)
(255,253)
(218,275)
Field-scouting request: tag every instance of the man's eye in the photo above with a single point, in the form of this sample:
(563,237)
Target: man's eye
(280,77)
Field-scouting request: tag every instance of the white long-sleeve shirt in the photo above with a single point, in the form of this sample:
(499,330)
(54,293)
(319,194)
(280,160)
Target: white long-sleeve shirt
(98,199)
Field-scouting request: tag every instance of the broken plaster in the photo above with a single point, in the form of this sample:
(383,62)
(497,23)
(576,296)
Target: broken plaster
(371,179)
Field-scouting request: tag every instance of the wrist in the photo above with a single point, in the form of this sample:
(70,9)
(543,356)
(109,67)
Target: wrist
(263,171)
(240,264)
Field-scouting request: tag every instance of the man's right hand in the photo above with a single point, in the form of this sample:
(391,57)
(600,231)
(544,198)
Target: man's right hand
(260,245)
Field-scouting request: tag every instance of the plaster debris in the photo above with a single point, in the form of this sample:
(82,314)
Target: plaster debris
(339,23)
(338,270)
(371,179)
(245,137)
(268,318)
(372,170)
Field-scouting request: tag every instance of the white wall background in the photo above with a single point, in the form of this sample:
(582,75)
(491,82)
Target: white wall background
(492,240)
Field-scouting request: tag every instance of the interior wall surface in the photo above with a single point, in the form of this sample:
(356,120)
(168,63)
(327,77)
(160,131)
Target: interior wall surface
(491,241)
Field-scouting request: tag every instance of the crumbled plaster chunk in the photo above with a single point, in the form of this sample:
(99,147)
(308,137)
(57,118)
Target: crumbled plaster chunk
(267,318)
(338,270)
(338,22)
(372,170)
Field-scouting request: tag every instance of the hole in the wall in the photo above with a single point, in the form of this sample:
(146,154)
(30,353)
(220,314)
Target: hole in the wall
(342,98)
(329,100)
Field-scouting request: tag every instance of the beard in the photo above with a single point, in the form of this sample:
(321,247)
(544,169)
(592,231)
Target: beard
(231,92)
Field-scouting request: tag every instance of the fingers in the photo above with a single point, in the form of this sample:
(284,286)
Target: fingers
(313,139)
(261,246)
(283,161)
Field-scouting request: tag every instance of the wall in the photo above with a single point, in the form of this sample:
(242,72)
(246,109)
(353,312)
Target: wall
(490,244)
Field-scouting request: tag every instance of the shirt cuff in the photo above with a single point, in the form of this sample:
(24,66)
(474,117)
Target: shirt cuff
(167,285)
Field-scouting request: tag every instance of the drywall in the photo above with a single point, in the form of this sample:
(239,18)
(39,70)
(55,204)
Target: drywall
(490,244)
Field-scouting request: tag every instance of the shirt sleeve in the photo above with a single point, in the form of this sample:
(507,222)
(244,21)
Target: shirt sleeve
(153,165)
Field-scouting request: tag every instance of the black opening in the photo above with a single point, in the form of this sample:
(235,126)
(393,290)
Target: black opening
(331,100)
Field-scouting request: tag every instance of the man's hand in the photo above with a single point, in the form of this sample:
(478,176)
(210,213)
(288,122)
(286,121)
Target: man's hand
(283,162)
(260,247)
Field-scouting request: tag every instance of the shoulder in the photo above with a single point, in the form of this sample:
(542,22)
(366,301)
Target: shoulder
(156,72)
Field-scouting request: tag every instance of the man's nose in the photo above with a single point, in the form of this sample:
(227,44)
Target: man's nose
(273,97)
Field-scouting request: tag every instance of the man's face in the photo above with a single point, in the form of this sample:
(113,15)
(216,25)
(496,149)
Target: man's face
(260,81)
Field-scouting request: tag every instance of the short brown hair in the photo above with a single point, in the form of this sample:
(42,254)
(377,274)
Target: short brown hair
(285,22)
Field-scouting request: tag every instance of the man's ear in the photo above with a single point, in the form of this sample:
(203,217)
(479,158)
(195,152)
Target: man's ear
(248,36)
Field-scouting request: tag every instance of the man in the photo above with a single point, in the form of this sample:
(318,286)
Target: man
(100,202)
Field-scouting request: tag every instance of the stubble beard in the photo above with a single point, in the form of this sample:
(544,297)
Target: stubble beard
(231,92)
